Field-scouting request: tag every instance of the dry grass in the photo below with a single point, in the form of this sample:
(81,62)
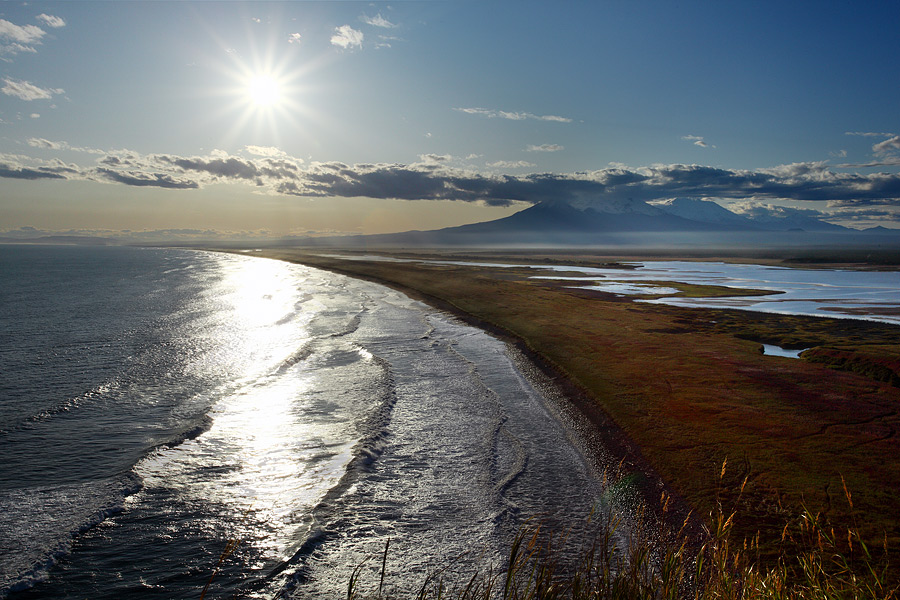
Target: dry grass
(689,387)
(816,561)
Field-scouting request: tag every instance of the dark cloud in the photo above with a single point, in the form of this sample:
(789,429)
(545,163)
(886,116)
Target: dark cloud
(147,179)
(435,179)
(227,168)
(14,172)
(13,167)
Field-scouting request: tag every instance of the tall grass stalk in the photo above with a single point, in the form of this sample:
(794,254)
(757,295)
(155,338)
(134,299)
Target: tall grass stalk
(816,562)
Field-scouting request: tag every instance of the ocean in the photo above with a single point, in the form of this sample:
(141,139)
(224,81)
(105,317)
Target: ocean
(172,419)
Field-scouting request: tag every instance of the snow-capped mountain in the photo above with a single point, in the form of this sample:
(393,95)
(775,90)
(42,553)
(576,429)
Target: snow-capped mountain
(751,216)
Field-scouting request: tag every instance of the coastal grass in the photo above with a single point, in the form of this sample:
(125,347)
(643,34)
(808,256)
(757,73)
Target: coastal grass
(815,561)
(687,388)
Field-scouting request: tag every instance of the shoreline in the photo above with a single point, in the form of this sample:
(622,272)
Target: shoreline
(680,391)
(608,449)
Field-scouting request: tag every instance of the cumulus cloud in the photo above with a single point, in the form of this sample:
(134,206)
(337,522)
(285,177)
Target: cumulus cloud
(434,178)
(294,38)
(511,115)
(346,37)
(544,148)
(377,21)
(51,21)
(25,90)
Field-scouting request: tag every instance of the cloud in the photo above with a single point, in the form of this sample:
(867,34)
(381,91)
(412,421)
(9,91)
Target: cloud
(17,167)
(23,34)
(195,171)
(698,141)
(50,145)
(869,134)
(19,38)
(264,151)
(385,41)
(147,179)
(512,116)
(763,211)
(51,21)
(46,144)
(346,37)
(25,90)
(435,158)
(294,38)
(544,148)
(510,164)
(866,214)
(886,162)
(434,178)
(887,152)
(35,115)
(888,146)
(377,21)
(13,172)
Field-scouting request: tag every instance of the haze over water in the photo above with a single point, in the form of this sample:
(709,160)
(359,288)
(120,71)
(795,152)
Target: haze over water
(158,403)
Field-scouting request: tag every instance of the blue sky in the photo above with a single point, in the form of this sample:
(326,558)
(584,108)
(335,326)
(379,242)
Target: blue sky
(249,119)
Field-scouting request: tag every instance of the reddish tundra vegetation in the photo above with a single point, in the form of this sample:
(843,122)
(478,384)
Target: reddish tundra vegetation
(677,391)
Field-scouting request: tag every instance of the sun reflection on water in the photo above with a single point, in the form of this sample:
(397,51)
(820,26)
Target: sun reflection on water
(263,462)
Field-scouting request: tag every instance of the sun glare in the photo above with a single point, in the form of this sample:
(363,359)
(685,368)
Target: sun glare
(264,90)
(264,97)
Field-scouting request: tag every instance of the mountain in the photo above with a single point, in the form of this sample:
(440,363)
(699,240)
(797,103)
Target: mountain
(705,211)
(609,217)
(622,222)
(555,223)
(761,218)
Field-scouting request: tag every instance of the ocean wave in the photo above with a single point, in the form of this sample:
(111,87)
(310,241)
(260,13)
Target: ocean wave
(38,525)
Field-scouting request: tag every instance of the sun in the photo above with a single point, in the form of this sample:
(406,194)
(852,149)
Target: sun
(264,91)
(263,97)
